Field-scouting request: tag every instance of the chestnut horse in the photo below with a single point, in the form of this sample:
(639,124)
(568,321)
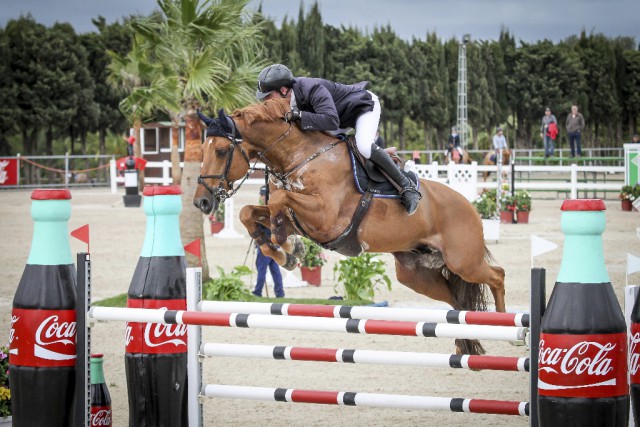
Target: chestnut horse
(454,156)
(488,161)
(439,251)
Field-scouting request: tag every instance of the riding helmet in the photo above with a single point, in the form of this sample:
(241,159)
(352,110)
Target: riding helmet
(273,78)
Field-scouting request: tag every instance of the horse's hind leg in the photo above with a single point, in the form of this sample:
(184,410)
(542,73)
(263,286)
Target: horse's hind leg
(490,275)
(413,270)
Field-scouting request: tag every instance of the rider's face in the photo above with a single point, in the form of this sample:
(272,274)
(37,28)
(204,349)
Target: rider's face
(283,92)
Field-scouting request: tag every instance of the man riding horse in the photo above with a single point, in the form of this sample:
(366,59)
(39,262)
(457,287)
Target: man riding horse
(323,105)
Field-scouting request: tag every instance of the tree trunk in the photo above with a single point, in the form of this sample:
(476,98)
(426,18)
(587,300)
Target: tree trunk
(176,171)
(401,134)
(191,218)
(137,149)
(102,148)
(49,151)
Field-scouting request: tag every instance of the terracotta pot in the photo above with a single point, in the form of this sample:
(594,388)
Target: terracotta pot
(312,275)
(626,205)
(522,217)
(506,217)
(216,227)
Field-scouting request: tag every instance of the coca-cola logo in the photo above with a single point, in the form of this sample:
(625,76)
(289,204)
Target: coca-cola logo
(53,331)
(157,334)
(577,359)
(42,337)
(101,417)
(582,365)
(634,356)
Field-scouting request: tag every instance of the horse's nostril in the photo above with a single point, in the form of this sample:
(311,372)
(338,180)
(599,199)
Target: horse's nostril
(205,206)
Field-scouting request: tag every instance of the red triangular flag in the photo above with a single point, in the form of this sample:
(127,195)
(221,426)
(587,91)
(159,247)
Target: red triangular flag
(193,248)
(82,234)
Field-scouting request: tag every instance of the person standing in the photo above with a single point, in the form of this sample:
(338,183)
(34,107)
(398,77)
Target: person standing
(635,139)
(263,262)
(574,125)
(549,132)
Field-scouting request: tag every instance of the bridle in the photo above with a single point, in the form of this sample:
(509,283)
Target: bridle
(234,136)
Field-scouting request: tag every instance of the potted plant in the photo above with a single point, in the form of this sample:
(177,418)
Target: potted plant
(507,208)
(522,200)
(217,219)
(5,391)
(487,208)
(360,276)
(627,195)
(312,262)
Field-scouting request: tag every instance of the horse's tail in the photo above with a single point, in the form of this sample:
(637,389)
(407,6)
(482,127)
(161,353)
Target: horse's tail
(468,296)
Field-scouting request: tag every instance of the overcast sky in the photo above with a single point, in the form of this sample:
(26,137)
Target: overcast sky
(528,20)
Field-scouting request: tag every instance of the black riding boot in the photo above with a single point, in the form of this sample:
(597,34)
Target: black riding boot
(410,194)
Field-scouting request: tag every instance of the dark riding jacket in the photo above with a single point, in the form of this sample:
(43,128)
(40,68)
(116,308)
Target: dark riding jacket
(327,105)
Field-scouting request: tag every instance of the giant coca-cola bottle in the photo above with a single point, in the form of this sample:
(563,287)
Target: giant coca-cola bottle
(156,354)
(42,353)
(583,348)
(100,398)
(634,360)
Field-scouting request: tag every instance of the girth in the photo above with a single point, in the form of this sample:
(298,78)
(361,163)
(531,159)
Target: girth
(346,243)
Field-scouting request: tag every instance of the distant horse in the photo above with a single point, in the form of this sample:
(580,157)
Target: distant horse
(453,155)
(491,160)
(439,251)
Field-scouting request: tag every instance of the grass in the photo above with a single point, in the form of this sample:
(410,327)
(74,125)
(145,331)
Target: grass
(121,301)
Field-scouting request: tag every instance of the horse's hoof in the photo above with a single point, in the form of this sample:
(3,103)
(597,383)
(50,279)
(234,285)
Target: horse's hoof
(291,263)
(298,247)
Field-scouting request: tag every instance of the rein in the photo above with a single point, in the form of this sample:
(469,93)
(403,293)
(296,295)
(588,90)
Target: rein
(236,140)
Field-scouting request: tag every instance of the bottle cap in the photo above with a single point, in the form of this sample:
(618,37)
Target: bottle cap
(50,194)
(156,190)
(583,205)
(97,355)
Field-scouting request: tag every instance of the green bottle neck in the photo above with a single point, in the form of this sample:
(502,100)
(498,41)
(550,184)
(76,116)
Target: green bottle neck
(583,257)
(97,373)
(50,243)
(162,237)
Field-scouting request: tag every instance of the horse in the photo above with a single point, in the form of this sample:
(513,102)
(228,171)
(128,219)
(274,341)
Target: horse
(490,159)
(453,155)
(439,251)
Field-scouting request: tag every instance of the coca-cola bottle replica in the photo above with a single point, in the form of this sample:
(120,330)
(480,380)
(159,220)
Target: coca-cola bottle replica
(156,355)
(583,348)
(42,338)
(634,360)
(100,397)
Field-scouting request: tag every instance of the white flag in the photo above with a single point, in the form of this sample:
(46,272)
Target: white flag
(633,264)
(540,246)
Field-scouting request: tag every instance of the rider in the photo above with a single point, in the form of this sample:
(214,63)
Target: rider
(323,105)
(499,142)
(454,142)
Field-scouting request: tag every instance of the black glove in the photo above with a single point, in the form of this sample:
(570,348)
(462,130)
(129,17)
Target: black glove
(292,116)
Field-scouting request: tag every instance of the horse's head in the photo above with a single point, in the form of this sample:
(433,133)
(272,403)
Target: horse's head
(230,142)
(224,161)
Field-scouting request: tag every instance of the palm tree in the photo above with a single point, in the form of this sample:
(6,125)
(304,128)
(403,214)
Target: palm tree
(212,50)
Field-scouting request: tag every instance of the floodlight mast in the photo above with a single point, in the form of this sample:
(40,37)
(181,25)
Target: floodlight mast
(462,91)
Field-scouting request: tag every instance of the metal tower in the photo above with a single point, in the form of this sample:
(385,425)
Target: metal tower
(462,91)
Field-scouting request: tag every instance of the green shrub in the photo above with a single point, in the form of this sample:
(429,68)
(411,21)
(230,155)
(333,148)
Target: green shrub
(228,287)
(360,276)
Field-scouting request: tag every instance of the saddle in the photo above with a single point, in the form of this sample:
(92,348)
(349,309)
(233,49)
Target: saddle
(371,183)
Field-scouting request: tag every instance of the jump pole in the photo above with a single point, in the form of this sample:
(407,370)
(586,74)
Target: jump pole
(365,312)
(261,321)
(396,358)
(371,400)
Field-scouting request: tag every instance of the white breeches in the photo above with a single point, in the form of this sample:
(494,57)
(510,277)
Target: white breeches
(366,127)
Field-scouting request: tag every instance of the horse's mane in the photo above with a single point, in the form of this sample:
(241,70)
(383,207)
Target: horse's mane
(269,111)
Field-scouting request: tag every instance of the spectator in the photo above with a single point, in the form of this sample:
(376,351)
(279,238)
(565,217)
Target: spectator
(263,262)
(574,125)
(548,132)
(635,139)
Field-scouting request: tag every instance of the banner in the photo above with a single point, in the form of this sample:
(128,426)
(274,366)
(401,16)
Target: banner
(8,171)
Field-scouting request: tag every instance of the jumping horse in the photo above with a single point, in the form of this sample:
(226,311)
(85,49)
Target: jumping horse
(439,251)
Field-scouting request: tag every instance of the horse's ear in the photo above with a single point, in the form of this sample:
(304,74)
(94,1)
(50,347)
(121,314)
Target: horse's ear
(225,121)
(207,121)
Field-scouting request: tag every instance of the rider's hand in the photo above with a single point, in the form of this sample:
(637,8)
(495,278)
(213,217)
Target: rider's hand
(292,116)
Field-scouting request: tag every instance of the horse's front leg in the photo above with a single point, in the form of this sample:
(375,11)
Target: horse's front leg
(251,216)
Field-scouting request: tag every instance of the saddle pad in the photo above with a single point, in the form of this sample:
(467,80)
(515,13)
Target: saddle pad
(378,189)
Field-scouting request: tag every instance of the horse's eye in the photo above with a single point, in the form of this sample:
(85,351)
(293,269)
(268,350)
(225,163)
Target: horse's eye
(221,152)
